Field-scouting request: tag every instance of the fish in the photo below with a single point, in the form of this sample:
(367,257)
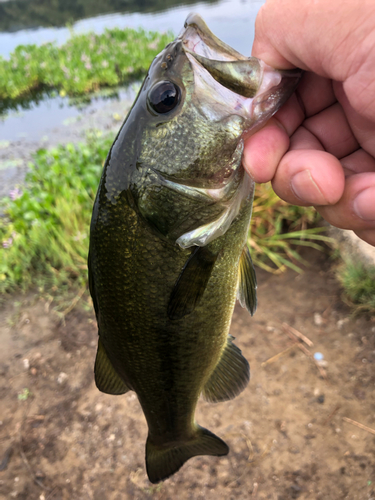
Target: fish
(168,251)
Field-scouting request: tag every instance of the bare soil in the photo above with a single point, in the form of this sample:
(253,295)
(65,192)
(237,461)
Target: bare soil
(61,439)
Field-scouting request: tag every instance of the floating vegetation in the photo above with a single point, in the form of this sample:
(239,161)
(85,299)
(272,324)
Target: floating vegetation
(82,65)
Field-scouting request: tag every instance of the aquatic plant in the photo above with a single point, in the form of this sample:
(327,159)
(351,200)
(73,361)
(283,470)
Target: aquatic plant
(82,65)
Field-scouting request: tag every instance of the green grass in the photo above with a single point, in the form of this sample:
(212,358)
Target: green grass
(278,229)
(358,282)
(82,65)
(45,230)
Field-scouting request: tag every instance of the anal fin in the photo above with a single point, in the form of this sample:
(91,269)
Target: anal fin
(106,378)
(247,294)
(191,283)
(230,377)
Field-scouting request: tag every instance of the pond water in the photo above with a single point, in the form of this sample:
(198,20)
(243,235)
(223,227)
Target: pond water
(231,20)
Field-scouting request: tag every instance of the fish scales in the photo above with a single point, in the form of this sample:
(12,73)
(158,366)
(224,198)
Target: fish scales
(168,253)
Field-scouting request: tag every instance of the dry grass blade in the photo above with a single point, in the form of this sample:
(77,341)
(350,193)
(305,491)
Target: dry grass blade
(361,426)
(279,355)
(297,337)
(289,329)
(74,302)
(331,415)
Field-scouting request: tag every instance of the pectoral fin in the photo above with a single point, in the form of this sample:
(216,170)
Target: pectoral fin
(230,376)
(247,294)
(191,283)
(106,378)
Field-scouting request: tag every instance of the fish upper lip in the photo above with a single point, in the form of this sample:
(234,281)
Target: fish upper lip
(199,39)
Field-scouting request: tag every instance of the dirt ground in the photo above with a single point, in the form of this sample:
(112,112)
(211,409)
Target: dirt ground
(61,439)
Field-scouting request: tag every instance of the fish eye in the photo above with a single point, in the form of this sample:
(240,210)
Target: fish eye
(164,96)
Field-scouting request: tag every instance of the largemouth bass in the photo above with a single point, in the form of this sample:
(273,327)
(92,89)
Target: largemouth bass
(168,253)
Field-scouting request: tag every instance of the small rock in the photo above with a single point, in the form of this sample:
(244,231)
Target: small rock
(320,399)
(318,319)
(26,363)
(63,377)
(342,322)
(33,371)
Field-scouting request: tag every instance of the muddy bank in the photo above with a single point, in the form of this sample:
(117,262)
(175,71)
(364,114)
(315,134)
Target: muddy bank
(287,433)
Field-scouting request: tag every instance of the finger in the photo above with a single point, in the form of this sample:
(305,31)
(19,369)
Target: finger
(304,139)
(264,150)
(357,162)
(309,177)
(356,208)
(331,128)
(367,235)
(315,93)
(291,114)
(302,34)
(363,128)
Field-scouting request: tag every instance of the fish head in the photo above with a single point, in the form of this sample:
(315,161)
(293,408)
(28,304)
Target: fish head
(201,96)
(179,151)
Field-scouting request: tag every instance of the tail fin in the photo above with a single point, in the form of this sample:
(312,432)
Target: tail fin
(163,462)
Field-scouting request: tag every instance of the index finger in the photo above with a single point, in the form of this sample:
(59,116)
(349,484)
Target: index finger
(305,34)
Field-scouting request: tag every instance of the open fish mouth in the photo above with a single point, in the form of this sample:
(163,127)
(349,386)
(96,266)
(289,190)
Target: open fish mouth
(247,85)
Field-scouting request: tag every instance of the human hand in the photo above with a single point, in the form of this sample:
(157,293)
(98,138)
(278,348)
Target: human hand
(319,149)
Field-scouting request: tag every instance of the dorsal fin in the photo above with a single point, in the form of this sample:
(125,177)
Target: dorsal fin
(247,294)
(191,283)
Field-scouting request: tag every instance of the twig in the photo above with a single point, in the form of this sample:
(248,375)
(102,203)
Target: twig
(296,333)
(361,426)
(250,446)
(74,302)
(255,490)
(322,371)
(279,355)
(52,493)
(26,462)
(24,458)
(331,415)
(7,456)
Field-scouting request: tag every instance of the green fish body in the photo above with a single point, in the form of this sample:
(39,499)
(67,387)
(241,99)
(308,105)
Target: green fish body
(168,253)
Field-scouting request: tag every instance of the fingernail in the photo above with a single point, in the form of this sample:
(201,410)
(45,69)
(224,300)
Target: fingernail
(305,188)
(364,204)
